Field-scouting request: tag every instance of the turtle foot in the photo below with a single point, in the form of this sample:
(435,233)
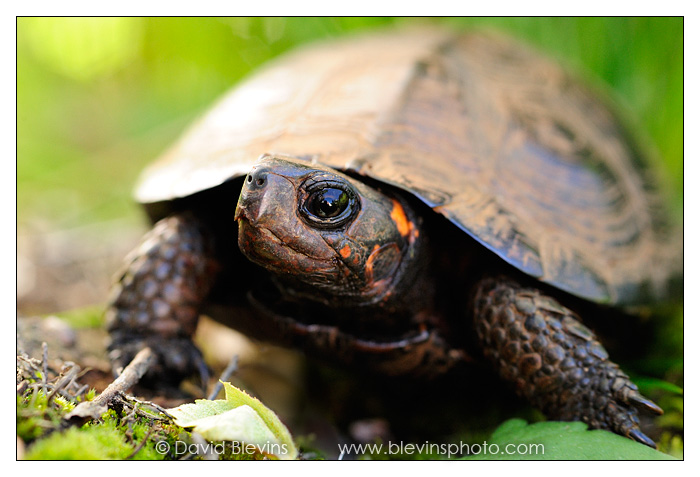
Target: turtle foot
(555,361)
(176,359)
(157,299)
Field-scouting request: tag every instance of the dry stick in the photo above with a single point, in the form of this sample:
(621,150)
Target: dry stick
(86,411)
(231,368)
(138,404)
(44,365)
(64,382)
(141,444)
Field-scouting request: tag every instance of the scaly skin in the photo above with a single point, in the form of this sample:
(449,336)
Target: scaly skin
(554,361)
(158,297)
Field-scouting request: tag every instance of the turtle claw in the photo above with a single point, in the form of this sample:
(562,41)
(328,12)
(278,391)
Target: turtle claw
(182,358)
(640,437)
(645,405)
(581,383)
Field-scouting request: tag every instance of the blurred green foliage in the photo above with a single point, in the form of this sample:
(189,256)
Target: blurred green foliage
(516,440)
(98,98)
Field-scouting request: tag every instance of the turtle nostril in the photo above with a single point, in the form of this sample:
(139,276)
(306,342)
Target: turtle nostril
(257,178)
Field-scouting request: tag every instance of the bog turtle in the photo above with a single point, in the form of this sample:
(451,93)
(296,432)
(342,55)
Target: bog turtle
(403,203)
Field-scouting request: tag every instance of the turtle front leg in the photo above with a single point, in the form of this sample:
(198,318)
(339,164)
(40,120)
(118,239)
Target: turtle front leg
(555,362)
(157,298)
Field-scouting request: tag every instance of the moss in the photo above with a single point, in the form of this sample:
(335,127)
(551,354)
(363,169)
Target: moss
(100,441)
(96,443)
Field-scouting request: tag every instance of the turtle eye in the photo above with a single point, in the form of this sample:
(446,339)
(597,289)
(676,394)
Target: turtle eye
(328,205)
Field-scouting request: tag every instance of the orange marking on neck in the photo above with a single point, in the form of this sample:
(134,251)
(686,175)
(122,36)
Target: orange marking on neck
(345,251)
(403,225)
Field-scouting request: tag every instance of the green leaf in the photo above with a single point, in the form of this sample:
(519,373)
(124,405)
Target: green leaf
(648,384)
(239,418)
(187,415)
(242,424)
(561,441)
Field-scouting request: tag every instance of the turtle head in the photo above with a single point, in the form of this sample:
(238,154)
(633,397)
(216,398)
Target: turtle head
(325,235)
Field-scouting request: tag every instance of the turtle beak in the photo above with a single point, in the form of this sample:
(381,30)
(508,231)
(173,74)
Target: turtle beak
(240,212)
(252,194)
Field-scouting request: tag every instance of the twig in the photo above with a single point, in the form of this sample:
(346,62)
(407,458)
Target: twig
(143,443)
(64,382)
(137,404)
(86,411)
(61,392)
(44,365)
(230,369)
(82,390)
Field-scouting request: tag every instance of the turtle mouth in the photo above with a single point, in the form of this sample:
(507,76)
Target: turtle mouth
(263,247)
(258,243)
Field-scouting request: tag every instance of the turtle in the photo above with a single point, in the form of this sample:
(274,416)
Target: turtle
(403,203)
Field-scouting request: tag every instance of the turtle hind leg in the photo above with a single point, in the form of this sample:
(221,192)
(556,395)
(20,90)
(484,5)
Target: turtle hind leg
(554,361)
(157,299)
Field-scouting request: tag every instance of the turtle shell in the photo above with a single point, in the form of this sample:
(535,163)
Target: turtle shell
(496,138)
